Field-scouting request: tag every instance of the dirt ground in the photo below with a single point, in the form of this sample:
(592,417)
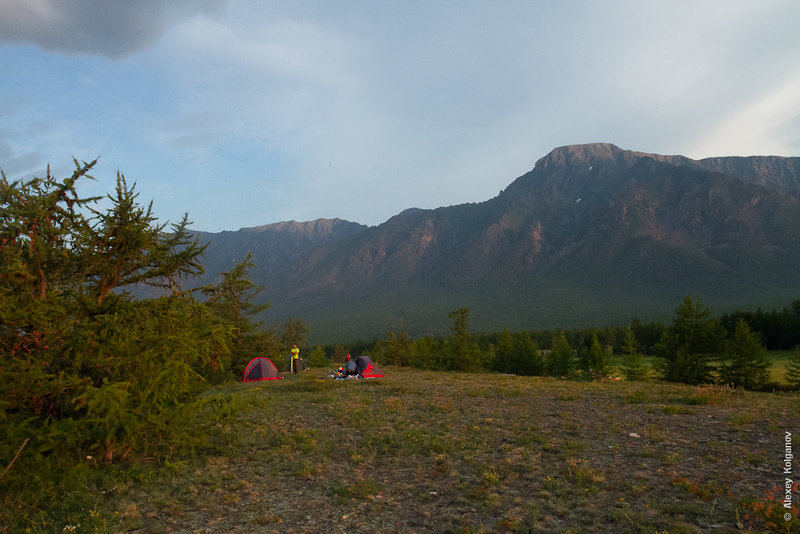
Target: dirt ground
(432,452)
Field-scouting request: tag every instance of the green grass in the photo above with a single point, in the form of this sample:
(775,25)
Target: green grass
(449,452)
(780,362)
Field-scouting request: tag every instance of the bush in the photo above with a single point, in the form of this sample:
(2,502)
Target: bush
(89,373)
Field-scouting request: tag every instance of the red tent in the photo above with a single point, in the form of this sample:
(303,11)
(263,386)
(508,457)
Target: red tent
(367,369)
(260,369)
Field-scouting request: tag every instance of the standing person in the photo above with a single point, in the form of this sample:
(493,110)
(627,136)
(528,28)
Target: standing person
(295,357)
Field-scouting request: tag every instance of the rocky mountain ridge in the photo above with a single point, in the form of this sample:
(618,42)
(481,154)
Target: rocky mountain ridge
(592,235)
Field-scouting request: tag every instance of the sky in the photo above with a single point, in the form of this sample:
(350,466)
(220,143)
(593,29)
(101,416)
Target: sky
(249,112)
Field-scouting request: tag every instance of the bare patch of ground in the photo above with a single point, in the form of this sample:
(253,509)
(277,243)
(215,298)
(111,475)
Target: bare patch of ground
(440,452)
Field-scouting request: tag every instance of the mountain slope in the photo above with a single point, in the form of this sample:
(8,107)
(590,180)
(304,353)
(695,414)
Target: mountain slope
(276,248)
(593,234)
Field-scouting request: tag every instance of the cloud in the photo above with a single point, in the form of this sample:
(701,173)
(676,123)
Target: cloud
(363,111)
(15,164)
(111,28)
(767,125)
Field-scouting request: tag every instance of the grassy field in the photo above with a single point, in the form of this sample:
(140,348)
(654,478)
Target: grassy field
(780,362)
(443,452)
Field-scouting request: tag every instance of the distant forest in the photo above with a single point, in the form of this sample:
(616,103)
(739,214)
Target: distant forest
(694,348)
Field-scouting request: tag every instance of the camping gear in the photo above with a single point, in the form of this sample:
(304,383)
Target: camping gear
(367,369)
(260,369)
(296,365)
(339,376)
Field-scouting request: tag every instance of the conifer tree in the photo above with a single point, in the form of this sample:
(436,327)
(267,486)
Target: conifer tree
(425,353)
(462,354)
(81,357)
(386,350)
(403,345)
(527,358)
(232,301)
(793,369)
(40,219)
(689,344)
(560,361)
(396,348)
(123,246)
(505,360)
(743,361)
(633,366)
(599,358)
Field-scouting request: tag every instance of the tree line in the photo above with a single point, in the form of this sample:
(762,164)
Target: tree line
(694,348)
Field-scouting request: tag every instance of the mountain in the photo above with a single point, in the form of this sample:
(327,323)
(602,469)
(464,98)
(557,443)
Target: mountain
(593,235)
(276,248)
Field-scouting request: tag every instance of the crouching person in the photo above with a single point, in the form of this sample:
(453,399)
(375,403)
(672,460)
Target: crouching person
(349,368)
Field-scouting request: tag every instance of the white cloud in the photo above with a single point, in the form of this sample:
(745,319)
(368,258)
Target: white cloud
(759,127)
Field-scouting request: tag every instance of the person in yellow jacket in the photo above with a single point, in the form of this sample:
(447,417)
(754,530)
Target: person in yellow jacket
(295,357)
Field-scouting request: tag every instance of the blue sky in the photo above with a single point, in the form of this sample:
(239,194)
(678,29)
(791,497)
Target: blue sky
(246,113)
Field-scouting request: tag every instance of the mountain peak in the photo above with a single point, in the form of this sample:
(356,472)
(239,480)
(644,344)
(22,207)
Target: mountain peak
(588,152)
(594,153)
(592,231)
(317,227)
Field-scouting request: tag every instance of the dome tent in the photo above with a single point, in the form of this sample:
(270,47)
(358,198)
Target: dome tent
(260,369)
(366,369)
